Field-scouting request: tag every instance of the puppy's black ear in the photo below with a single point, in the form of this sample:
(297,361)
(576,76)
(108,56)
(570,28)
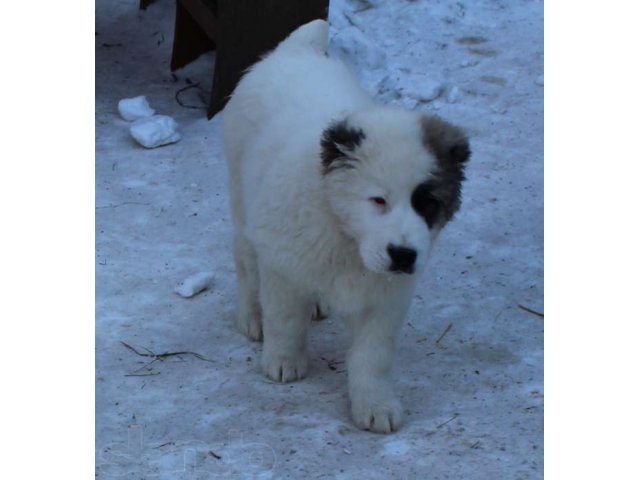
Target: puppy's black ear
(338,144)
(447,142)
(450,146)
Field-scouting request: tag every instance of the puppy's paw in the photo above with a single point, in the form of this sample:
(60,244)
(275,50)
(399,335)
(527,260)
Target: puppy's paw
(377,416)
(285,368)
(250,324)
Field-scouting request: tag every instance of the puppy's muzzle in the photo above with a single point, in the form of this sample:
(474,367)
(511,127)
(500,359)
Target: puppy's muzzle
(403,259)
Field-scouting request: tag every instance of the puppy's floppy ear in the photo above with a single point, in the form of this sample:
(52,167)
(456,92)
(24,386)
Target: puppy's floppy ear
(339,142)
(448,142)
(450,146)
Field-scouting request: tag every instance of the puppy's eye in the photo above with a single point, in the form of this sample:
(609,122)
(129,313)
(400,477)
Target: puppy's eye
(379,201)
(431,204)
(426,204)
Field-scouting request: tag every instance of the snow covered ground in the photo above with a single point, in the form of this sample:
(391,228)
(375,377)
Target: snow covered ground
(470,371)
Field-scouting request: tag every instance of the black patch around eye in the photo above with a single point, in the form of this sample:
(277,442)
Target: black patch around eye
(426,205)
(347,137)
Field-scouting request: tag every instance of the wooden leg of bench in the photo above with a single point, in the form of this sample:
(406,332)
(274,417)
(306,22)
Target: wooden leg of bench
(252,32)
(189,40)
(145,3)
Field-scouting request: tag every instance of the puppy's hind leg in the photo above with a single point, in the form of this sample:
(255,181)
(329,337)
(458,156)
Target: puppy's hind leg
(286,317)
(248,311)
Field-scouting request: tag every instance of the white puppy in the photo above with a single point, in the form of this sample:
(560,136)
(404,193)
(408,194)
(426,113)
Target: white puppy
(336,201)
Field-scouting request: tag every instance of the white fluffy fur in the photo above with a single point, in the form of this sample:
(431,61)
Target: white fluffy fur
(303,238)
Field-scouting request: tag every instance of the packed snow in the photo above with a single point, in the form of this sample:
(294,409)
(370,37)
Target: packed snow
(155,131)
(453,94)
(195,284)
(135,108)
(470,366)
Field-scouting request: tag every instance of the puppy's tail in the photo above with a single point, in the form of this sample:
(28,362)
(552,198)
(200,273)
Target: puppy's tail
(313,35)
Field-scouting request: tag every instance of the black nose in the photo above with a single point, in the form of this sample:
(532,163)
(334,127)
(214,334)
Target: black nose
(402,258)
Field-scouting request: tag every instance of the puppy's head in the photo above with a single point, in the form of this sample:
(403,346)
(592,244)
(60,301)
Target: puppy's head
(393,180)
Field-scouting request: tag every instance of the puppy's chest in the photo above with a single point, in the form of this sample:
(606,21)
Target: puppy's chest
(354,294)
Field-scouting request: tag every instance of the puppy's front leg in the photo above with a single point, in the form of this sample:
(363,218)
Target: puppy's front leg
(374,405)
(285,316)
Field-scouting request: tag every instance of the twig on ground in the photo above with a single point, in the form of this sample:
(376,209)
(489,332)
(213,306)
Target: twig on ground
(455,415)
(217,457)
(146,365)
(332,363)
(527,309)
(197,107)
(363,9)
(165,444)
(142,374)
(121,204)
(446,330)
(162,356)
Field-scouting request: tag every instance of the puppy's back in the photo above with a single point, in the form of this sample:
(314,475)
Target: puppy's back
(313,36)
(294,87)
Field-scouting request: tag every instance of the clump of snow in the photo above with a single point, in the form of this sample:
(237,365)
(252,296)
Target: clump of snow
(380,84)
(135,108)
(468,62)
(354,47)
(432,90)
(419,87)
(195,284)
(500,109)
(155,131)
(453,95)
(368,59)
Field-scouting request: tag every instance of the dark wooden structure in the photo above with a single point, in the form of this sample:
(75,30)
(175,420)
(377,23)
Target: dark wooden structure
(240,31)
